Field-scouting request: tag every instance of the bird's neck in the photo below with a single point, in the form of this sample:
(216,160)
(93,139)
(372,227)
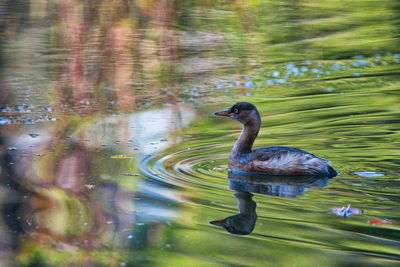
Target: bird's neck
(246,206)
(245,142)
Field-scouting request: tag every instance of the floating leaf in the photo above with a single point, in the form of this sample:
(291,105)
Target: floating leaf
(379,222)
(89,187)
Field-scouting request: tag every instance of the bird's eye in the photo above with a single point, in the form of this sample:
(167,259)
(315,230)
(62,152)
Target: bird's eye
(236,111)
(230,229)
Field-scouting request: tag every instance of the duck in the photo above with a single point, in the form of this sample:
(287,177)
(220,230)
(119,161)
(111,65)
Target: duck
(273,160)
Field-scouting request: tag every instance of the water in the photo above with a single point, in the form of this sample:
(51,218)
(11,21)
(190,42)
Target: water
(110,154)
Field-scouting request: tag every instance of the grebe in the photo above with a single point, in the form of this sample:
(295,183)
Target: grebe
(275,160)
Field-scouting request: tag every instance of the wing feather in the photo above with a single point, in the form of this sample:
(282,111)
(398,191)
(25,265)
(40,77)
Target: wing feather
(281,160)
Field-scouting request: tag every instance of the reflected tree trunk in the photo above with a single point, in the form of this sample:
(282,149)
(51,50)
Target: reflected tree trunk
(168,44)
(99,37)
(120,39)
(76,84)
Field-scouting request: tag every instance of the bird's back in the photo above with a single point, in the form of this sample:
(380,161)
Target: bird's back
(281,160)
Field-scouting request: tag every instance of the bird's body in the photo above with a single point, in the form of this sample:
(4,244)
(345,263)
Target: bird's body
(275,160)
(279,160)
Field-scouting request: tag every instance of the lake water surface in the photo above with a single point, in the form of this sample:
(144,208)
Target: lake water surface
(111,156)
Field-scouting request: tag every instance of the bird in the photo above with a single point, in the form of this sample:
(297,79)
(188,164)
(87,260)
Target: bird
(273,160)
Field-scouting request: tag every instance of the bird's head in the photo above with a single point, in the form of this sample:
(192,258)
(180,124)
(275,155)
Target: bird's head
(243,112)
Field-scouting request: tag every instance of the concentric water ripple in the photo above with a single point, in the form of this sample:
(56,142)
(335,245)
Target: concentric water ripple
(191,168)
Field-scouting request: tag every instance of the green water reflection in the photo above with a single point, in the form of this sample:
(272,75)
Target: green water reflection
(110,155)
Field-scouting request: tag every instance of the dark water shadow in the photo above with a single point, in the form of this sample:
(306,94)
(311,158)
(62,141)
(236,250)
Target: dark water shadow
(244,185)
(14,205)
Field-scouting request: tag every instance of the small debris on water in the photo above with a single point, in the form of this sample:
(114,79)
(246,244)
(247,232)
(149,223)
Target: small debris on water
(346,211)
(33,135)
(89,187)
(379,222)
(131,174)
(369,174)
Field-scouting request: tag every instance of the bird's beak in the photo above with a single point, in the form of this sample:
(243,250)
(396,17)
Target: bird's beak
(219,223)
(224,113)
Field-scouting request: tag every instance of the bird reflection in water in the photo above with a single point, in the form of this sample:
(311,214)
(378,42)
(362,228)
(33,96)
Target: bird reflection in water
(245,184)
(244,222)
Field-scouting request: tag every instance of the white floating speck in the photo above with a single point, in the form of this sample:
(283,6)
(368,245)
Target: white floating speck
(369,174)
